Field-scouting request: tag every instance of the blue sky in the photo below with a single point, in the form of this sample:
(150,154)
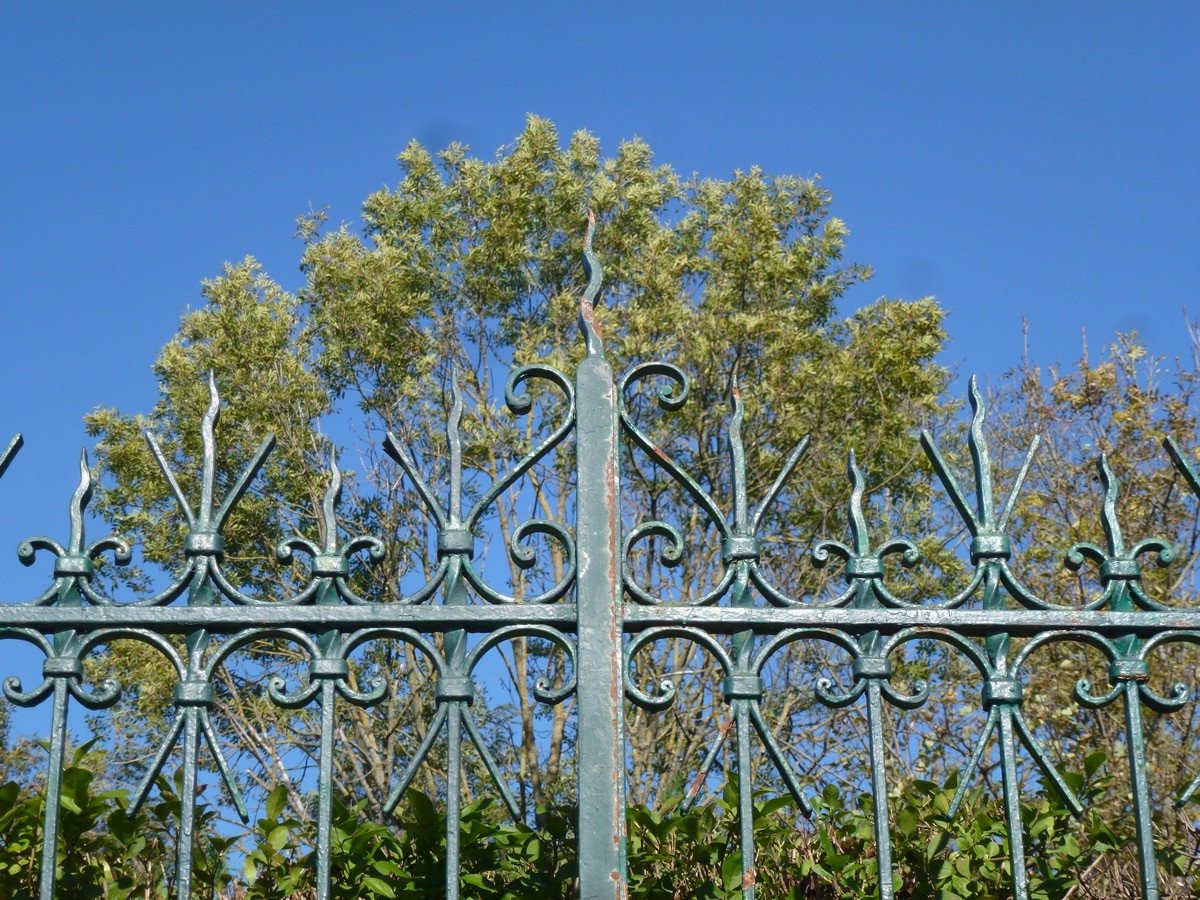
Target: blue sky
(1014,160)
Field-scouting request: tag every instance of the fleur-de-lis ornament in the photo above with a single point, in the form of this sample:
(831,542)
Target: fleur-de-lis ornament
(204,547)
(62,669)
(1128,671)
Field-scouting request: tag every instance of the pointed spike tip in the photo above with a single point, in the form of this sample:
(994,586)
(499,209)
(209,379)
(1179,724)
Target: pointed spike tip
(213,413)
(976,398)
(587,307)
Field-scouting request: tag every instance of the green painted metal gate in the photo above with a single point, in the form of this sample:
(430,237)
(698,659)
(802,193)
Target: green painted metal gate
(600,617)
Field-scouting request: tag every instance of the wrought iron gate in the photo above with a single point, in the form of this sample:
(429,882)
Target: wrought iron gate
(600,617)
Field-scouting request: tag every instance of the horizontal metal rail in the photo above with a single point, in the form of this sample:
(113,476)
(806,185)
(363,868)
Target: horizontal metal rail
(480,619)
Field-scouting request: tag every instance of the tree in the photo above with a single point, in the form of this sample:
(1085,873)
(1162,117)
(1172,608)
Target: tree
(465,268)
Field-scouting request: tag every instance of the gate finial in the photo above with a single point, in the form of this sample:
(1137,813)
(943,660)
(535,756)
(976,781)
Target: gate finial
(587,308)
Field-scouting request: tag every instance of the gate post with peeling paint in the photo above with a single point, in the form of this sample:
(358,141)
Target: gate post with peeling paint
(601,743)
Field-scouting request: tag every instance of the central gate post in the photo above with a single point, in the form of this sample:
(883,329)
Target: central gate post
(601,741)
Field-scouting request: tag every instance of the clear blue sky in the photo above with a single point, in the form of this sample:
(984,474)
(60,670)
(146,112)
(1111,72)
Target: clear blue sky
(1034,160)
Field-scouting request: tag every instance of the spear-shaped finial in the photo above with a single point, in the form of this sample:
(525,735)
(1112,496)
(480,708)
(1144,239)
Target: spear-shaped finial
(1108,512)
(737,449)
(79,502)
(587,304)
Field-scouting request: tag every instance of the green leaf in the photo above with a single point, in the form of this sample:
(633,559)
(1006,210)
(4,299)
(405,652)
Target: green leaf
(378,886)
(731,871)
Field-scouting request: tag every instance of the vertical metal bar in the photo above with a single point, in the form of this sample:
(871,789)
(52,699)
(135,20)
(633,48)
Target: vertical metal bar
(187,803)
(1142,810)
(745,797)
(325,788)
(53,799)
(1012,803)
(453,797)
(879,789)
(601,750)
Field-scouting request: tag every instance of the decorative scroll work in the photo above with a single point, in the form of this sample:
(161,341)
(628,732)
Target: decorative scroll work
(872,647)
(201,583)
(603,621)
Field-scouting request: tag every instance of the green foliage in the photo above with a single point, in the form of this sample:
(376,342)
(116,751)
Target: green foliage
(104,852)
(674,853)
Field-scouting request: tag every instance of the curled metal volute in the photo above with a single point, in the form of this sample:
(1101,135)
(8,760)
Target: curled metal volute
(18,697)
(374,690)
(285,549)
(525,557)
(652,702)
(376,550)
(587,303)
(518,399)
(670,398)
(825,692)
(28,548)
(670,556)
(824,551)
(565,426)
(1178,698)
(917,697)
(121,551)
(1081,551)
(666,689)
(545,692)
(658,455)
(1085,697)
(280,696)
(910,554)
(102,696)
(1165,553)
(10,452)
(542,691)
